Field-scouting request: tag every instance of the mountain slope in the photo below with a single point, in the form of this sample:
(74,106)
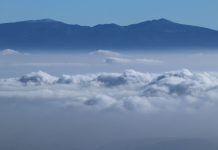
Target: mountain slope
(154,34)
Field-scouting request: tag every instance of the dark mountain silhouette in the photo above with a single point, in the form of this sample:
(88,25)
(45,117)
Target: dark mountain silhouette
(154,34)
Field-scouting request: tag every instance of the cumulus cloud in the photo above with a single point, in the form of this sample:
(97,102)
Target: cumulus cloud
(9,52)
(105,53)
(38,78)
(128,91)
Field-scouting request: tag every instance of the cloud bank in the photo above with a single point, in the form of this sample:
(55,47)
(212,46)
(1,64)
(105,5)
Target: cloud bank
(181,90)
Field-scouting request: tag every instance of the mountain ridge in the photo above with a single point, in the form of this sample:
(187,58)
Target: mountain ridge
(154,34)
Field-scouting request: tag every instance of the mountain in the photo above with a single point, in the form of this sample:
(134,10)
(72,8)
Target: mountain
(154,34)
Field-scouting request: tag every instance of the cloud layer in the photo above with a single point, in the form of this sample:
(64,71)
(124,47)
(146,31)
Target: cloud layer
(181,90)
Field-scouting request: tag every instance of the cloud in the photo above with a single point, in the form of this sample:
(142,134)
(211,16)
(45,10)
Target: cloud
(38,78)
(105,53)
(117,58)
(120,60)
(9,52)
(180,90)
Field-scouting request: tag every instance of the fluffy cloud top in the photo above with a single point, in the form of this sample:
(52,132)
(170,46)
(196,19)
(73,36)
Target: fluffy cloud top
(128,91)
(38,78)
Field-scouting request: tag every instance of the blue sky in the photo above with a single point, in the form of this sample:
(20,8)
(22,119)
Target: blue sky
(123,12)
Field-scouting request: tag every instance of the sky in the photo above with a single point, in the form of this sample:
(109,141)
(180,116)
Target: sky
(122,12)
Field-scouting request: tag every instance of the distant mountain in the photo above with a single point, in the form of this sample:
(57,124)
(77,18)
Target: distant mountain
(154,34)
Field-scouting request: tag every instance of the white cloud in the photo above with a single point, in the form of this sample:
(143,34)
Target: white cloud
(38,78)
(181,90)
(105,53)
(9,52)
(115,57)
